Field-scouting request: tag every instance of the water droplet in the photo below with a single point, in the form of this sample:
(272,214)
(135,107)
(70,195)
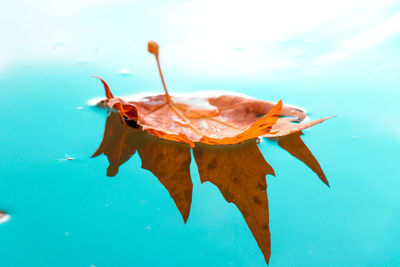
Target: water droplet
(179,121)
(203,124)
(67,234)
(4,217)
(66,157)
(79,108)
(196,106)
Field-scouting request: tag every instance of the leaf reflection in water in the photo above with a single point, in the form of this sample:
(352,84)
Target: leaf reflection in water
(168,161)
(239,171)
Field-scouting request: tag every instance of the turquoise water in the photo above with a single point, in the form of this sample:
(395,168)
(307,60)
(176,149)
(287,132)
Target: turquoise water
(69,213)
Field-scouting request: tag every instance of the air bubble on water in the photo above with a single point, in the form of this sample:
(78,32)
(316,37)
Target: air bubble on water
(125,72)
(66,158)
(67,234)
(79,108)
(148,227)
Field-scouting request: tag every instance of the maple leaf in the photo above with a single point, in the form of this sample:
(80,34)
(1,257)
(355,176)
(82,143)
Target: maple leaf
(212,121)
(239,171)
(215,119)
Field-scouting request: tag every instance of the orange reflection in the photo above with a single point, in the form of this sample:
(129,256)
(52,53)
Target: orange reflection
(239,171)
(168,161)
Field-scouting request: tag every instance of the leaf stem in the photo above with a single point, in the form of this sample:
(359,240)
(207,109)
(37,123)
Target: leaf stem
(162,80)
(153,48)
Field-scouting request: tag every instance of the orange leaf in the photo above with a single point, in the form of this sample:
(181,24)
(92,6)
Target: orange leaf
(239,171)
(285,126)
(216,120)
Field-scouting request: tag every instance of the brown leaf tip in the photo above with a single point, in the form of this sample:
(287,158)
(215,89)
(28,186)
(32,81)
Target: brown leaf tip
(153,47)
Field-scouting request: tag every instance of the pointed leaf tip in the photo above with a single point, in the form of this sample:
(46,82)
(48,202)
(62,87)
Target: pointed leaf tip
(296,147)
(109,94)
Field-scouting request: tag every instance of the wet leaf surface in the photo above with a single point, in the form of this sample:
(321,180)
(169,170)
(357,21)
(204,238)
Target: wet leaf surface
(210,119)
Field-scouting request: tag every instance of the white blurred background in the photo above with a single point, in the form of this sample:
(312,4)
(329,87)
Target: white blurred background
(224,38)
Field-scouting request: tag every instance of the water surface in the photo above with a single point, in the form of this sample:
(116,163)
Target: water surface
(65,211)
